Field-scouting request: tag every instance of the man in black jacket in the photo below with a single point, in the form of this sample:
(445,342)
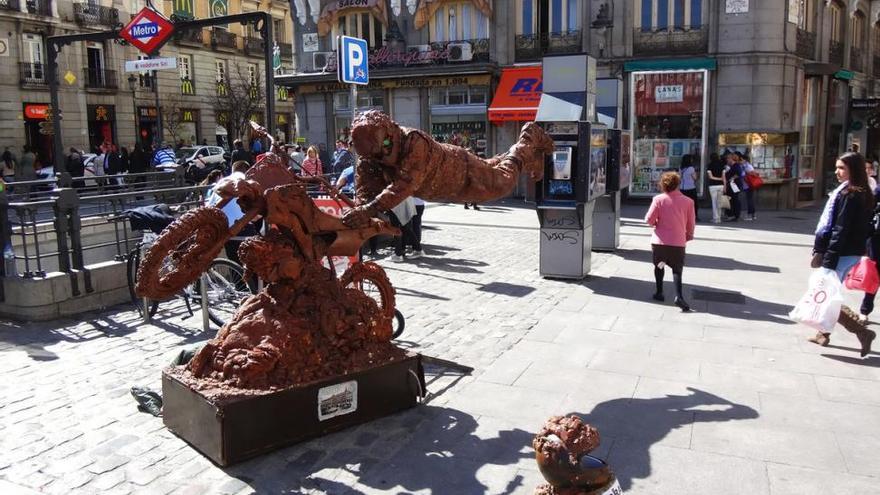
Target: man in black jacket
(241,154)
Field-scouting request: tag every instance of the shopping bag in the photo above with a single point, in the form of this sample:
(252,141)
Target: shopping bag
(863,276)
(754,180)
(734,188)
(820,305)
(724,202)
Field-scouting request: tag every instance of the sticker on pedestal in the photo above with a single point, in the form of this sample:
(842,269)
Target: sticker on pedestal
(337,400)
(613,489)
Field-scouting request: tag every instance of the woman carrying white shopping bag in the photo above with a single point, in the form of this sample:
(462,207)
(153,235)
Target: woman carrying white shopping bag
(841,234)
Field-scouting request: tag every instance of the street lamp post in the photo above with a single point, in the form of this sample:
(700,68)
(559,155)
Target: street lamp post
(132,86)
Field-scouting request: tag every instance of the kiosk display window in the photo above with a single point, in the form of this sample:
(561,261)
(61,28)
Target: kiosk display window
(669,122)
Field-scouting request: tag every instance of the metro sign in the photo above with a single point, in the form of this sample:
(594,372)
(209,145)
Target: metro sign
(148,31)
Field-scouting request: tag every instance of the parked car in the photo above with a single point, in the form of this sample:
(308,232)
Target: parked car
(199,161)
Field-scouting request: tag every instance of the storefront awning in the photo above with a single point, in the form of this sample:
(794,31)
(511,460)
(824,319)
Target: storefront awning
(517,96)
(671,64)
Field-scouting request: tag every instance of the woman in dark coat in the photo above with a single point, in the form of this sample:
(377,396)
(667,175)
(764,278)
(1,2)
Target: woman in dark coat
(842,234)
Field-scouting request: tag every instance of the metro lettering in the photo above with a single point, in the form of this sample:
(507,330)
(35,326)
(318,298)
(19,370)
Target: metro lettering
(144,30)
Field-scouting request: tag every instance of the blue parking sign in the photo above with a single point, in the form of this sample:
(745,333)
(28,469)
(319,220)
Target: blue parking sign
(354,65)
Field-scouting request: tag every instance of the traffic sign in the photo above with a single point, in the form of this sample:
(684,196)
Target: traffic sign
(147,31)
(353,63)
(150,64)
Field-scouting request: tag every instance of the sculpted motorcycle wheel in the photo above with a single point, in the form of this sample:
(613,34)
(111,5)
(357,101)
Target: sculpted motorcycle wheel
(372,280)
(182,252)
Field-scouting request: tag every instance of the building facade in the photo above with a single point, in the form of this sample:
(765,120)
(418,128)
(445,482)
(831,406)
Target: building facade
(100,102)
(791,82)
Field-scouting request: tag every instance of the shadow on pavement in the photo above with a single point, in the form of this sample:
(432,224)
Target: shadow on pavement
(433,449)
(445,264)
(641,290)
(637,424)
(698,261)
(115,322)
(872,361)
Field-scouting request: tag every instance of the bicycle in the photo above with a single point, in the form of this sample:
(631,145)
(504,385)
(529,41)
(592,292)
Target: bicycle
(226,282)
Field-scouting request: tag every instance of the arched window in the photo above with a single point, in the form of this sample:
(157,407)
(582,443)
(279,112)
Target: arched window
(360,24)
(455,21)
(835,11)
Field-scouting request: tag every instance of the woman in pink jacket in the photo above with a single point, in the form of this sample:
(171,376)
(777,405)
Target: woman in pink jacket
(672,216)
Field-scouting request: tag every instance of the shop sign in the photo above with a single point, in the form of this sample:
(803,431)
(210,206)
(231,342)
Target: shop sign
(281,119)
(428,82)
(147,31)
(148,113)
(36,111)
(865,103)
(101,113)
(669,94)
(186,86)
(187,115)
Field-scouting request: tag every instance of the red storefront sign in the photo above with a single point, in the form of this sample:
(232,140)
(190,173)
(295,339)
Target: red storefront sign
(36,111)
(674,93)
(518,95)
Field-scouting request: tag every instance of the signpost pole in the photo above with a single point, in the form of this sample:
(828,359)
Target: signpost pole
(266,33)
(52,74)
(354,102)
(159,132)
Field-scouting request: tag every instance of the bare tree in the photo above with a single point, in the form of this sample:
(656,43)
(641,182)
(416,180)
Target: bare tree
(172,115)
(240,97)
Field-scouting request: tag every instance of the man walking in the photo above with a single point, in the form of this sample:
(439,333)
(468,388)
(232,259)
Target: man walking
(342,158)
(239,154)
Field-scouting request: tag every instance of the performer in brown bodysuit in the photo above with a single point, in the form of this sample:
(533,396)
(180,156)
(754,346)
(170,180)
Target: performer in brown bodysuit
(396,162)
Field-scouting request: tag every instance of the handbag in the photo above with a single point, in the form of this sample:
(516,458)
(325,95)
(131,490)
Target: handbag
(724,202)
(754,180)
(863,276)
(819,307)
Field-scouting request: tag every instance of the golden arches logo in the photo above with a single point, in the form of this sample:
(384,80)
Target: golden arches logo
(282,93)
(221,89)
(186,87)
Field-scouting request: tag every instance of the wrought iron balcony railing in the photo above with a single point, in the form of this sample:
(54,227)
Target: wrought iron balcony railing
(223,39)
(90,15)
(10,5)
(806,44)
(100,78)
(286,49)
(189,36)
(835,52)
(671,42)
(533,46)
(38,7)
(253,46)
(31,74)
(856,59)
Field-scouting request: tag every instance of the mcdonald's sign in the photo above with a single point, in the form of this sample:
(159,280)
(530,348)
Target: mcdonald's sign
(221,89)
(184,9)
(187,115)
(187,87)
(222,117)
(282,93)
(255,92)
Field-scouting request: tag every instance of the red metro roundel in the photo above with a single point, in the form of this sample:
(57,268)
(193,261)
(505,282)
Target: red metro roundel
(147,31)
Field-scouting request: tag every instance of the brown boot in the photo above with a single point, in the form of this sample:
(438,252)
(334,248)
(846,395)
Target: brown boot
(822,339)
(852,323)
(866,337)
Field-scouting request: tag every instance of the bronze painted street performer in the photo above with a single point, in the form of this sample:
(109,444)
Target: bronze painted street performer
(309,323)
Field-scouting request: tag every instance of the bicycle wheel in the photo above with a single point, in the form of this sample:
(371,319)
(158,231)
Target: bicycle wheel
(371,279)
(183,250)
(227,287)
(131,268)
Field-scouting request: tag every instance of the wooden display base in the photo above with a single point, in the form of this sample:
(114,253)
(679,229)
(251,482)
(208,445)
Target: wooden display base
(239,428)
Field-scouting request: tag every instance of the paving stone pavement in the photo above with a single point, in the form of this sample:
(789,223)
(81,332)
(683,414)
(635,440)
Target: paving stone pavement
(726,400)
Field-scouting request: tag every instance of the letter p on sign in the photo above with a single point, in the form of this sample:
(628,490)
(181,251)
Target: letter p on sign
(354,67)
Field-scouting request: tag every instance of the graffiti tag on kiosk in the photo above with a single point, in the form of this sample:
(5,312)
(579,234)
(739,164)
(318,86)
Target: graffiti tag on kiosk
(563,237)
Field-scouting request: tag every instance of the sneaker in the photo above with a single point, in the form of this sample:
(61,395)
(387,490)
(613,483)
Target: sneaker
(416,254)
(396,258)
(684,306)
(748,219)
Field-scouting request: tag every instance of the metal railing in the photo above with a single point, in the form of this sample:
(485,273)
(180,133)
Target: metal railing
(473,50)
(533,46)
(39,7)
(10,5)
(31,74)
(253,46)
(41,228)
(806,44)
(694,40)
(835,52)
(286,49)
(100,78)
(221,38)
(856,59)
(87,14)
(189,36)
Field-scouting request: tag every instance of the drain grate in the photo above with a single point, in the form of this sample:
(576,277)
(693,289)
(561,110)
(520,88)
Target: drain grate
(716,296)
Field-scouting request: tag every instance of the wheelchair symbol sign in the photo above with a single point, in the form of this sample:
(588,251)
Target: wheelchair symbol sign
(354,66)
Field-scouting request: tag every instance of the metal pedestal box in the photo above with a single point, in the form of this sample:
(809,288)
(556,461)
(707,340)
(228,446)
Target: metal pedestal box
(606,222)
(566,240)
